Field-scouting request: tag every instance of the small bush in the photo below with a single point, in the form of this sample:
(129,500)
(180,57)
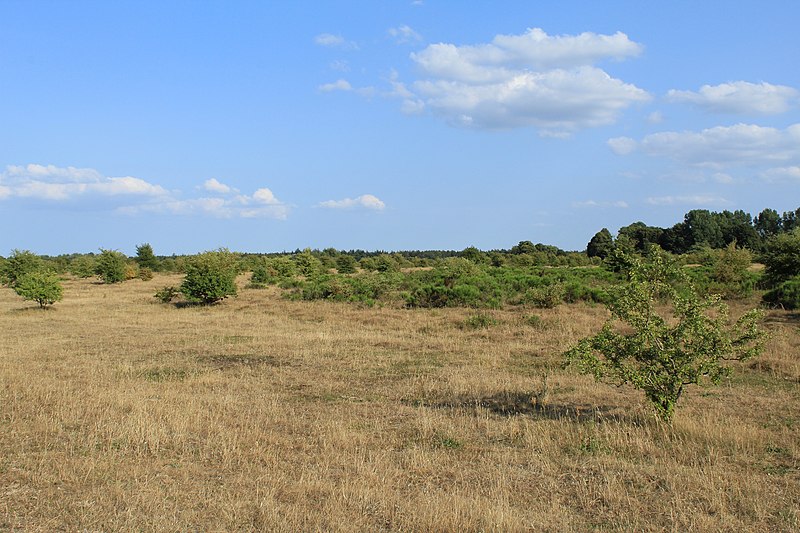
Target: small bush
(42,287)
(480,321)
(167,294)
(786,295)
(546,297)
(20,263)
(145,274)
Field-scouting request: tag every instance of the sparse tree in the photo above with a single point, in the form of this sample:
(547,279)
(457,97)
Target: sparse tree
(663,353)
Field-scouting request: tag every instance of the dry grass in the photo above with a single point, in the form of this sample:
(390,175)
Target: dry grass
(120,413)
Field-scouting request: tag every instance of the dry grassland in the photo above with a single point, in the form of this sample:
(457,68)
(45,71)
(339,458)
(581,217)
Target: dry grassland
(118,413)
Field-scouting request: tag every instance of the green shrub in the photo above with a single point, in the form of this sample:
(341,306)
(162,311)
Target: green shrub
(111,266)
(19,263)
(145,274)
(546,297)
(786,295)
(167,294)
(662,354)
(346,264)
(480,321)
(83,266)
(145,257)
(210,277)
(42,287)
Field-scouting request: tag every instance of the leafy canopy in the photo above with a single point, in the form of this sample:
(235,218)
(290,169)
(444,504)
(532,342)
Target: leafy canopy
(673,337)
(41,287)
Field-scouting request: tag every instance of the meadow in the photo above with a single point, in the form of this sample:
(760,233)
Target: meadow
(120,413)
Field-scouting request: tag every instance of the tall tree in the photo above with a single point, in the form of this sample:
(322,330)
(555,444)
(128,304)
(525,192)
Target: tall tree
(601,244)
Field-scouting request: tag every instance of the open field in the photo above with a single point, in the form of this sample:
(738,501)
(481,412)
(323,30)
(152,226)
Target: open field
(121,413)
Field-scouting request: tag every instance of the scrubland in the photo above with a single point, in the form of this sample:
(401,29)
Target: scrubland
(120,413)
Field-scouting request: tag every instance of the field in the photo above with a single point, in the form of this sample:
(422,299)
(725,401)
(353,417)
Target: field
(121,413)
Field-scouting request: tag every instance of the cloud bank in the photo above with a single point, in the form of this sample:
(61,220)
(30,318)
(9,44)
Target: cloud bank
(740,97)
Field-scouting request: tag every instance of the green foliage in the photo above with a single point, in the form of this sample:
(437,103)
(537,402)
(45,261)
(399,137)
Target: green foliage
(307,264)
(40,286)
(730,275)
(785,294)
(601,244)
(111,266)
(145,274)
(346,264)
(544,297)
(167,294)
(480,321)
(782,257)
(210,277)
(663,353)
(83,266)
(19,263)
(145,257)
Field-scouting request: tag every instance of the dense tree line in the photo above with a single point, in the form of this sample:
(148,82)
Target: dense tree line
(700,228)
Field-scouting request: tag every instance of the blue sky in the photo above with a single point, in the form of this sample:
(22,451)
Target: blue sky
(269,126)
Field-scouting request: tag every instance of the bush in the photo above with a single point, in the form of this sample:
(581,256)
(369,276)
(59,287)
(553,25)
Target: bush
(145,274)
(480,321)
(111,266)
(782,257)
(83,266)
(546,297)
(42,287)
(167,294)
(346,264)
(786,295)
(664,354)
(210,277)
(145,257)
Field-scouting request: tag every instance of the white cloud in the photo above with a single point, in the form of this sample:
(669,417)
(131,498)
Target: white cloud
(622,145)
(740,97)
(721,146)
(338,85)
(366,201)
(593,203)
(697,199)
(404,35)
(48,182)
(265,196)
(656,117)
(533,79)
(262,204)
(212,185)
(334,41)
(782,174)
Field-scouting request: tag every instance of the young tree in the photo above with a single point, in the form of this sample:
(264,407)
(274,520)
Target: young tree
(346,264)
(145,257)
(210,277)
(663,353)
(111,266)
(42,287)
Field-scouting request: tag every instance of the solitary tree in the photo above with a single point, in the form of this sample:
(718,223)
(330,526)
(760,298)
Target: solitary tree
(40,286)
(19,263)
(662,353)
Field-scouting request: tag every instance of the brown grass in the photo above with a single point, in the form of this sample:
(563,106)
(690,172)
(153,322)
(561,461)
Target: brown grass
(120,413)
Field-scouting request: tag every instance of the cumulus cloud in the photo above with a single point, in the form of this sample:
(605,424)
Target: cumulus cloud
(261,204)
(366,201)
(740,97)
(212,185)
(697,199)
(48,182)
(529,80)
(720,146)
(404,35)
(338,85)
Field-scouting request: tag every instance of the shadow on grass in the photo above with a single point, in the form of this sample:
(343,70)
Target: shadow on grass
(521,404)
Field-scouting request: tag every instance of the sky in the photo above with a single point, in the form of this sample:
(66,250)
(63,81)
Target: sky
(387,125)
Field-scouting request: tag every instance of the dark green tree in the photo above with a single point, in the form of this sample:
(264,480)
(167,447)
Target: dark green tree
(145,257)
(781,257)
(767,223)
(601,244)
(346,264)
